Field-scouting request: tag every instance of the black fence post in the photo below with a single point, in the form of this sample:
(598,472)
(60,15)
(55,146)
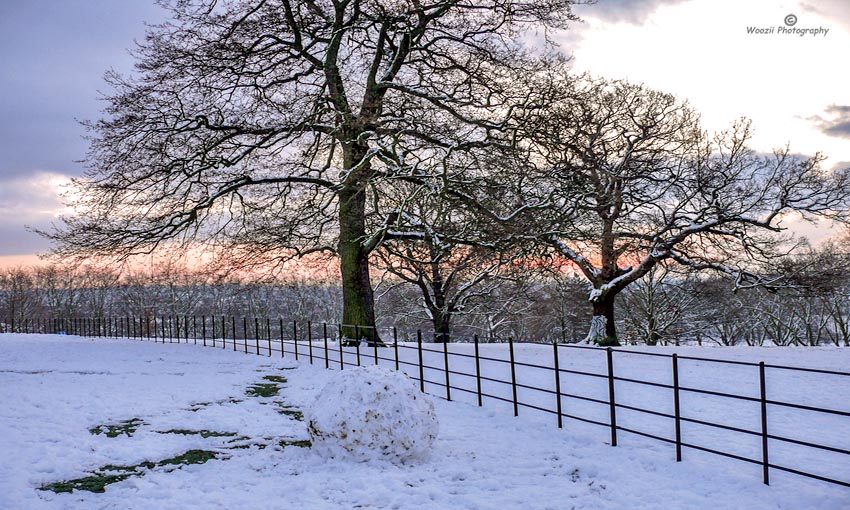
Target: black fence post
(204,329)
(513,376)
(763,400)
(676,409)
(325,335)
(478,371)
(269,334)
(395,345)
(195,329)
(557,370)
(375,345)
(245,334)
(233,326)
(257,334)
(446,365)
(611,401)
(421,364)
(310,340)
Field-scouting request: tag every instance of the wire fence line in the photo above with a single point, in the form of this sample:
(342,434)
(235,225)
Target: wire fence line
(439,370)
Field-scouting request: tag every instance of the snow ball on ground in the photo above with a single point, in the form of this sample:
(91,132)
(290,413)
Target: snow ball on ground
(372,413)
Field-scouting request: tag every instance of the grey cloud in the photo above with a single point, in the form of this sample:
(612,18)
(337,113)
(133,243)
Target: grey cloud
(54,55)
(624,11)
(841,129)
(27,202)
(840,165)
(17,240)
(835,122)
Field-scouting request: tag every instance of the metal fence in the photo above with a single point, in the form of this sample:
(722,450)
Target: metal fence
(324,343)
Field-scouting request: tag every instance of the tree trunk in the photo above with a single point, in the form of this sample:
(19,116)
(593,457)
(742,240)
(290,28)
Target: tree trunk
(358,301)
(441,327)
(654,336)
(603,330)
(440,311)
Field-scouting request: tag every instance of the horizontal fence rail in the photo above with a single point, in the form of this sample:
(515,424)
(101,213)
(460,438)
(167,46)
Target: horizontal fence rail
(439,371)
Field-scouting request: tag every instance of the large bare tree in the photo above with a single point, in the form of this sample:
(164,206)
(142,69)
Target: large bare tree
(646,185)
(264,128)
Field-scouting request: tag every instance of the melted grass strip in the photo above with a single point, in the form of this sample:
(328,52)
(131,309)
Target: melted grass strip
(127,427)
(292,413)
(263,390)
(190,457)
(202,433)
(112,473)
(275,378)
(300,443)
(95,483)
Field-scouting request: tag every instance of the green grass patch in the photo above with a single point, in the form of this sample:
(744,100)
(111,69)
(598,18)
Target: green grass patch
(202,433)
(245,446)
(275,378)
(300,443)
(94,483)
(112,473)
(295,414)
(263,390)
(125,469)
(126,427)
(190,457)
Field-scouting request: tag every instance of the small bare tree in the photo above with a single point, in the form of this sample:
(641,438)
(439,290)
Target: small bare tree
(659,308)
(441,249)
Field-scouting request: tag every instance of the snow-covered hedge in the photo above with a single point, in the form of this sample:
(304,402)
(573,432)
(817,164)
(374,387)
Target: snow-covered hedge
(372,413)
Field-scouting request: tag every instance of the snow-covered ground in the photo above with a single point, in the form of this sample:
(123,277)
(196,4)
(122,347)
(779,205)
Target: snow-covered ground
(54,389)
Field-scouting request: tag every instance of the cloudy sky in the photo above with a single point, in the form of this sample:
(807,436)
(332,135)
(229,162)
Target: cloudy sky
(794,87)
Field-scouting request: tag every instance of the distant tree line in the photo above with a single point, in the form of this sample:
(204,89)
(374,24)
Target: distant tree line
(540,303)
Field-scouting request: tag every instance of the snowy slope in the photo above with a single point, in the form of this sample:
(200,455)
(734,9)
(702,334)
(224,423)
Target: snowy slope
(54,389)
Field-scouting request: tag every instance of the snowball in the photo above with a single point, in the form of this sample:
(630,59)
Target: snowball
(371,413)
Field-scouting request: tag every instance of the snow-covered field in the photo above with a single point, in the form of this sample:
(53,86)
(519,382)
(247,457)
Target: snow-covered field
(55,389)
